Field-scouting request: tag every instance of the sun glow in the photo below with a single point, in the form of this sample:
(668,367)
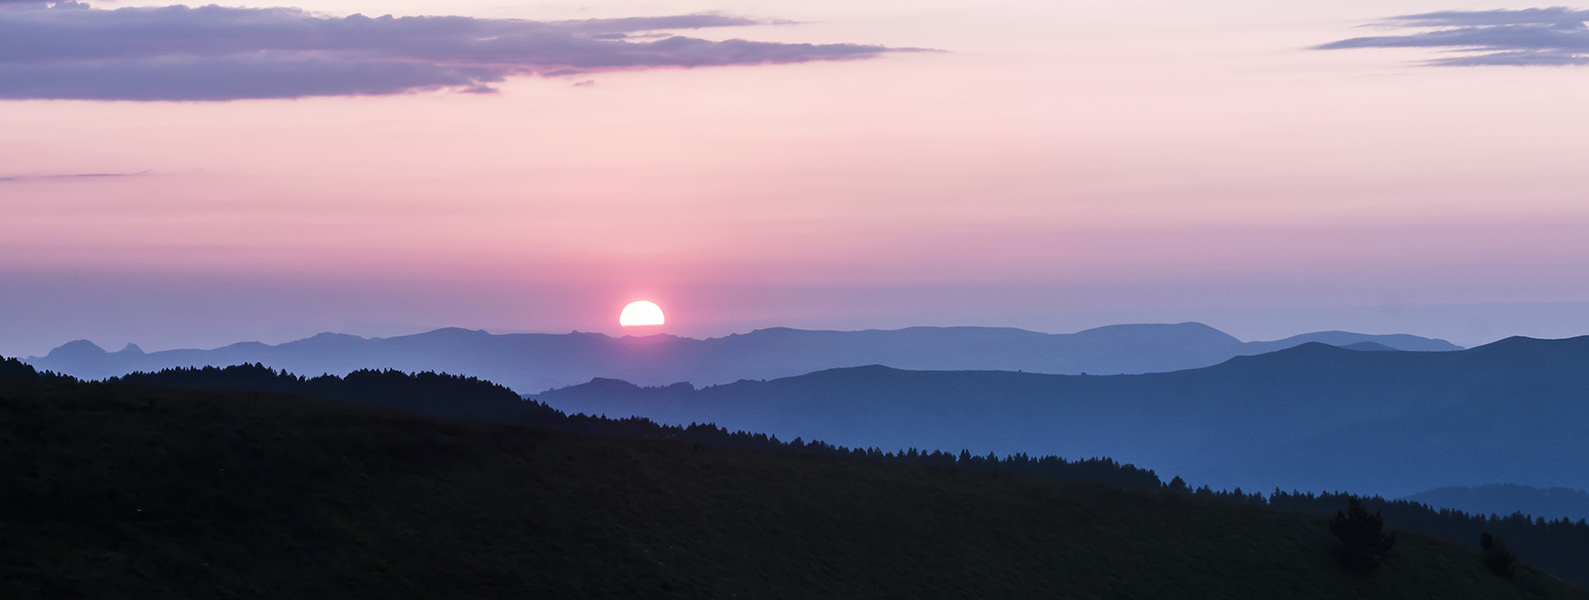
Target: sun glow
(640,313)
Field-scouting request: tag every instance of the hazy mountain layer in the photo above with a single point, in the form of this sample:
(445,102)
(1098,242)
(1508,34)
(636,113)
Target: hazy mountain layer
(536,362)
(1507,498)
(1311,417)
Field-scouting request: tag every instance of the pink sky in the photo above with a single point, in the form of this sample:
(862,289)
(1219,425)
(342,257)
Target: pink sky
(1059,166)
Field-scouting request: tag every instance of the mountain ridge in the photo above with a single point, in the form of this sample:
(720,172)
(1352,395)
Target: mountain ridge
(536,362)
(1312,416)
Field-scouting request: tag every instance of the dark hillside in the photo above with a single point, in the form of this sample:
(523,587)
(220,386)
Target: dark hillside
(466,398)
(1559,546)
(12,369)
(125,492)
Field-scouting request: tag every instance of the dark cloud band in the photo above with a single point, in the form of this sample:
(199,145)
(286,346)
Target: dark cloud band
(10,178)
(1529,37)
(67,51)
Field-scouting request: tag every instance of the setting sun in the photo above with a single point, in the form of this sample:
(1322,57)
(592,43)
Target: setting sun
(640,313)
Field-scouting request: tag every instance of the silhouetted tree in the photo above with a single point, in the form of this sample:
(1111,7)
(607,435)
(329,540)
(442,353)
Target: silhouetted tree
(1496,557)
(1363,539)
(1178,485)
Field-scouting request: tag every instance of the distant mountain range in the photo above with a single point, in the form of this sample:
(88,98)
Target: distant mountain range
(536,362)
(1311,417)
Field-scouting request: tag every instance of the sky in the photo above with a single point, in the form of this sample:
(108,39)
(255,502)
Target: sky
(192,177)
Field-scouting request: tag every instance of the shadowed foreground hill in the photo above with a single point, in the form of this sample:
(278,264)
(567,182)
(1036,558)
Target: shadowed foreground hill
(125,492)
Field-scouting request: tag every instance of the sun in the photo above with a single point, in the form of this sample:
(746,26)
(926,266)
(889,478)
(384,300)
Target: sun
(640,313)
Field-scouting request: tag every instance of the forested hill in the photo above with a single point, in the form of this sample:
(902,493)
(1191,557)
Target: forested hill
(119,491)
(427,393)
(1310,417)
(467,398)
(1560,546)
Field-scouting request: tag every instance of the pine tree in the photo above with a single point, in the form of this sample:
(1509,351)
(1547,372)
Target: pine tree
(1496,557)
(1178,485)
(1363,539)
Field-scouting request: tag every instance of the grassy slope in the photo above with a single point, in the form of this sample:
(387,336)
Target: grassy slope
(133,492)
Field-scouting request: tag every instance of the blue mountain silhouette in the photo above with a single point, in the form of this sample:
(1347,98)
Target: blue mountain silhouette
(536,362)
(1312,416)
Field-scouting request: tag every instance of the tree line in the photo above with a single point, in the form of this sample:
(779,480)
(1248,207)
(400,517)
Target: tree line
(456,397)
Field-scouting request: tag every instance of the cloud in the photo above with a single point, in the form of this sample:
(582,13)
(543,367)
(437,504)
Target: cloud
(1554,36)
(67,51)
(4,178)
